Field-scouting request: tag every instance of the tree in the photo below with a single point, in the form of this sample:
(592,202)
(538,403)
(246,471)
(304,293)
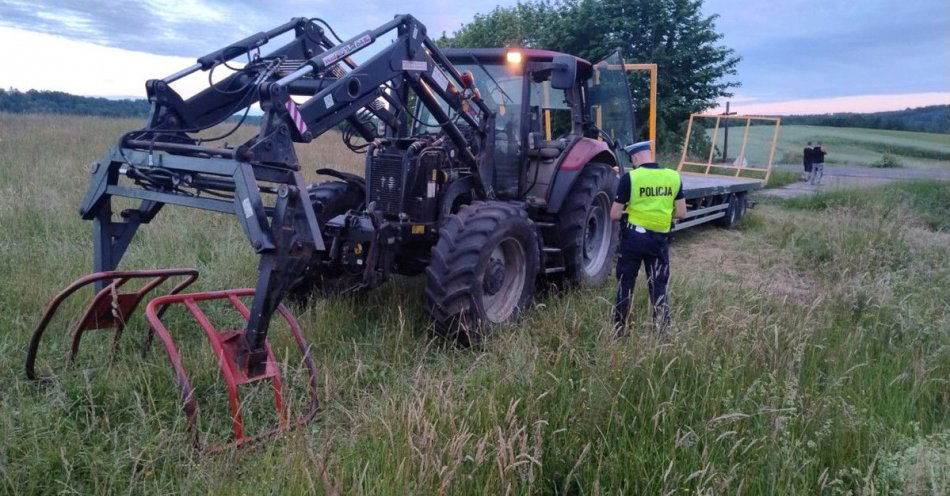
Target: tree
(674,34)
(57,102)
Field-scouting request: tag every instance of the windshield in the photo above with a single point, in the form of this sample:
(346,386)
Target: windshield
(501,88)
(609,100)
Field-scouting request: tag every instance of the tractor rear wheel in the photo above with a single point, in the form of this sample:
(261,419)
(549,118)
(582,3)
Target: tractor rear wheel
(587,235)
(483,270)
(329,199)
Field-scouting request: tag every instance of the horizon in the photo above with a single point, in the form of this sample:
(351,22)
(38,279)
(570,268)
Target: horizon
(256,112)
(828,61)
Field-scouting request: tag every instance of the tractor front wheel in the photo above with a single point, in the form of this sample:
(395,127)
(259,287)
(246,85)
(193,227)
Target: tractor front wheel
(483,270)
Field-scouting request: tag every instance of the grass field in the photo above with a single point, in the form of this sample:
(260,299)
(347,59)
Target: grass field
(846,146)
(854,146)
(811,355)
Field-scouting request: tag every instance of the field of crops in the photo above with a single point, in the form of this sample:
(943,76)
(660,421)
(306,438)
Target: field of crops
(846,146)
(810,355)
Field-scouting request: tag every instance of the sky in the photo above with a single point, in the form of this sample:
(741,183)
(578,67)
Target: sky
(798,56)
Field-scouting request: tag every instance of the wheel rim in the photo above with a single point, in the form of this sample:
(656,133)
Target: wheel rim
(597,231)
(503,280)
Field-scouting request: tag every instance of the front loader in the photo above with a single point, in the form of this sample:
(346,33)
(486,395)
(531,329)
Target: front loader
(485,169)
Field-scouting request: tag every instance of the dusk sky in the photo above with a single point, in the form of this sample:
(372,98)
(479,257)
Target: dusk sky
(798,55)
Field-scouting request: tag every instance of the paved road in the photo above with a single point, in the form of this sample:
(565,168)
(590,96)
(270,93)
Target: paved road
(851,176)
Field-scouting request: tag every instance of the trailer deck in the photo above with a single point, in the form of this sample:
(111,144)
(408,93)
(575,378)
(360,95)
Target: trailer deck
(699,185)
(714,197)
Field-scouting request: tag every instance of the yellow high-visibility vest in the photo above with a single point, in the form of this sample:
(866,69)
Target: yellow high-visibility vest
(652,195)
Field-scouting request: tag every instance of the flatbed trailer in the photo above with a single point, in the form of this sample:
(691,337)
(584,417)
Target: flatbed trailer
(715,198)
(720,193)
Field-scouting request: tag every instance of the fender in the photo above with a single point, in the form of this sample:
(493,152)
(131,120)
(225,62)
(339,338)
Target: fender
(353,179)
(579,153)
(457,188)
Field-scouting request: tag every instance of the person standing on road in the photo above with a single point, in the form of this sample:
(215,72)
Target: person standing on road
(818,163)
(648,198)
(807,157)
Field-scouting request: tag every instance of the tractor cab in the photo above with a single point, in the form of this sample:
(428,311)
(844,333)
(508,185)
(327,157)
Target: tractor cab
(546,103)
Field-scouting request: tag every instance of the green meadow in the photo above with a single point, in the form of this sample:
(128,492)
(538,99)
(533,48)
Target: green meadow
(810,355)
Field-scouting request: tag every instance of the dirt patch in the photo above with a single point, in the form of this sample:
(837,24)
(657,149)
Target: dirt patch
(828,182)
(840,177)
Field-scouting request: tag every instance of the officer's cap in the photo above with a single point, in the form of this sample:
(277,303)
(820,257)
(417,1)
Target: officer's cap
(639,147)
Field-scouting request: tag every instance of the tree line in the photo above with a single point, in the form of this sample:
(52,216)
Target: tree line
(58,102)
(694,66)
(930,119)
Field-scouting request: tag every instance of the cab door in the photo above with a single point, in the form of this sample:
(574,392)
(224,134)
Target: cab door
(611,108)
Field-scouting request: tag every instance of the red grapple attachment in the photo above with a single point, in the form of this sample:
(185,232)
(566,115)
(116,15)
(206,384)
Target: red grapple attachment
(227,346)
(109,309)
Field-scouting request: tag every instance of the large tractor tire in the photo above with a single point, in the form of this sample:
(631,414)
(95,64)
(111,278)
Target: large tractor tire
(588,238)
(483,270)
(329,199)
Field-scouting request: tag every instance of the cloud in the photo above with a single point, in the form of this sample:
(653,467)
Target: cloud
(853,103)
(196,27)
(824,48)
(792,49)
(86,68)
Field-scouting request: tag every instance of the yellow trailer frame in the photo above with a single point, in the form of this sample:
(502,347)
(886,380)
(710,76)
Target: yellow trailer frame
(651,68)
(653,75)
(708,164)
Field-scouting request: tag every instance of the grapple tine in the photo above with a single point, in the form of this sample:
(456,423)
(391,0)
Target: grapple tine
(226,346)
(109,308)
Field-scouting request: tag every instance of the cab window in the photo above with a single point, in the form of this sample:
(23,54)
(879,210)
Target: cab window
(550,112)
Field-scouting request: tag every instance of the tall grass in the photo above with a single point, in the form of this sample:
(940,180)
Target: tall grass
(810,356)
(927,199)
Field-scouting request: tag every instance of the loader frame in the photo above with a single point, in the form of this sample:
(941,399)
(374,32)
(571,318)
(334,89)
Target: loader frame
(167,166)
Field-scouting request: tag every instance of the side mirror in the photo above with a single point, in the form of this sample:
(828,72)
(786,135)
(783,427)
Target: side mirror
(564,73)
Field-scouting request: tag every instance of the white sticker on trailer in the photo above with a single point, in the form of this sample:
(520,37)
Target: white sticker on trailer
(430,190)
(248,210)
(328,101)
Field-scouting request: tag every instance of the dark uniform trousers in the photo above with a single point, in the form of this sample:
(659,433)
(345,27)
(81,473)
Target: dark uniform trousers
(652,250)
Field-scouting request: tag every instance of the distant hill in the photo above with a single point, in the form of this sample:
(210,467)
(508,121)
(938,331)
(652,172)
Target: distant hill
(930,119)
(58,102)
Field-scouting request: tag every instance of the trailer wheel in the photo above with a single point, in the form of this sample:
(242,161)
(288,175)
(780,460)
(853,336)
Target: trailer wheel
(587,234)
(743,199)
(732,213)
(483,270)
(329,199)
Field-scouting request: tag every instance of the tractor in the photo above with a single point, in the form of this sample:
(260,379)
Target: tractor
(535,210)
(491,171)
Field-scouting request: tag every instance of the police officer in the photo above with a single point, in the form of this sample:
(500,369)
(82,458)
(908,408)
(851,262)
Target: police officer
(648,198)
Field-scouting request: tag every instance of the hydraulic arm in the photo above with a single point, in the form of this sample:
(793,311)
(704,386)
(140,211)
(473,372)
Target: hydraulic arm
(306,87)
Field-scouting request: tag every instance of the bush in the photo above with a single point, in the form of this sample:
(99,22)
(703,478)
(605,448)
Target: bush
(791,157)
(888,161)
